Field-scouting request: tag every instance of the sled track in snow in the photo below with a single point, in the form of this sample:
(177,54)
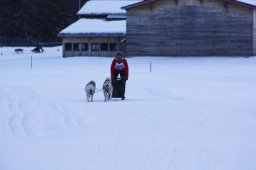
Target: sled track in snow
(19,120)
(69,119)
(26,119)
(13,120)
(19,117)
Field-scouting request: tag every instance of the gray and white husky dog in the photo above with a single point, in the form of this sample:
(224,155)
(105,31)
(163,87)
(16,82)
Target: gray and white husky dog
(90,90)
(107,89)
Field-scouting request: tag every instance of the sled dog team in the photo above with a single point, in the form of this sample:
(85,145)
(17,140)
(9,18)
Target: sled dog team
(110,88)
(107,89)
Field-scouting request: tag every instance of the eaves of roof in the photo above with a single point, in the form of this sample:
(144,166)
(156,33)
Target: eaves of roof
(240,2)
(137,4)
(91,35)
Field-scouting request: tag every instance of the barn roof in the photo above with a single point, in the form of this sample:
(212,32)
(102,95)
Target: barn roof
(95,27)
(250,3)
(105,7)
(247,2)
(137,4)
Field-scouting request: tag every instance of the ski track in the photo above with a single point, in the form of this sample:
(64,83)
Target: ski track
(195,158)
(94,157)
(26,119)
(19,121)
(151,131)
(70,120)
(4,101)
(144,159)
(160,130)
(12,122)
(30,93)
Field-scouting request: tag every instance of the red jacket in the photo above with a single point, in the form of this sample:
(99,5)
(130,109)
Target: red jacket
(125,67)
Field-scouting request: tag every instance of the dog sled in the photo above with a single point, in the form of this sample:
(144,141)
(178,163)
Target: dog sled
(37,50)
(118,88)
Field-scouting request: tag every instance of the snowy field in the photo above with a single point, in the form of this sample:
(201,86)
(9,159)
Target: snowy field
(187,114)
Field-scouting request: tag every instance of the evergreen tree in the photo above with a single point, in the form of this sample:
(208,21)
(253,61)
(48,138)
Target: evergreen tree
(35,20)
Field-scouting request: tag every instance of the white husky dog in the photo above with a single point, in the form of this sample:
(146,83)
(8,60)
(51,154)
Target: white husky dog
(90,90)
(107,89)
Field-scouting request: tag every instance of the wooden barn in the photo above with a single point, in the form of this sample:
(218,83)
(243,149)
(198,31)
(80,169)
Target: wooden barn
(191,28)
(93,37)
(100,31)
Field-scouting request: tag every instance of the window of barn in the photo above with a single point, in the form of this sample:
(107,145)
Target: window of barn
(76,47)
(95,46)
(112,47)
(103,46)
(68,47)
(84,46)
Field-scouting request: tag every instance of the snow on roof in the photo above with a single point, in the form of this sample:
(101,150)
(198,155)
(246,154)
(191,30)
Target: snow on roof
(101,27)
(97,7)
(111,16)
(249,2)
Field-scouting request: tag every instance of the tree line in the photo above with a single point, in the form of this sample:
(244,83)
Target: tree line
(32,21)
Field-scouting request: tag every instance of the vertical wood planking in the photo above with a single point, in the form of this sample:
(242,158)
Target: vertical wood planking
(190,27)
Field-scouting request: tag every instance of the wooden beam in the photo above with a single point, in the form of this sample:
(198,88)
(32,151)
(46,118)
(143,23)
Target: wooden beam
(225,3)
(151,6)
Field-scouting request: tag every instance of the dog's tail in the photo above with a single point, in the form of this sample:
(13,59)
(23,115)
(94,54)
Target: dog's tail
(93,83)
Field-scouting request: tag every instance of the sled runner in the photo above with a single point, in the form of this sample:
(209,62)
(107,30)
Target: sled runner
(118,88)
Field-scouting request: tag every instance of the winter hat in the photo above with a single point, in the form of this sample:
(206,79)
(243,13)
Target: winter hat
(119,54)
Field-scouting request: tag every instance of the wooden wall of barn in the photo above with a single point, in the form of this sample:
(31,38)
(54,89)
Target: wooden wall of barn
(90,40)
(190,28)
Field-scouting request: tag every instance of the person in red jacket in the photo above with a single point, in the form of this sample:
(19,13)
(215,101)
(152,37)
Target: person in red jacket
(119,67)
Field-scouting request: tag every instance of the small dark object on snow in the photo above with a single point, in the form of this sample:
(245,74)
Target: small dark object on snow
(38,49)
(18,50)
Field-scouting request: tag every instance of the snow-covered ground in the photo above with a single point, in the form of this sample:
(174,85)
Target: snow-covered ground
(187,114)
